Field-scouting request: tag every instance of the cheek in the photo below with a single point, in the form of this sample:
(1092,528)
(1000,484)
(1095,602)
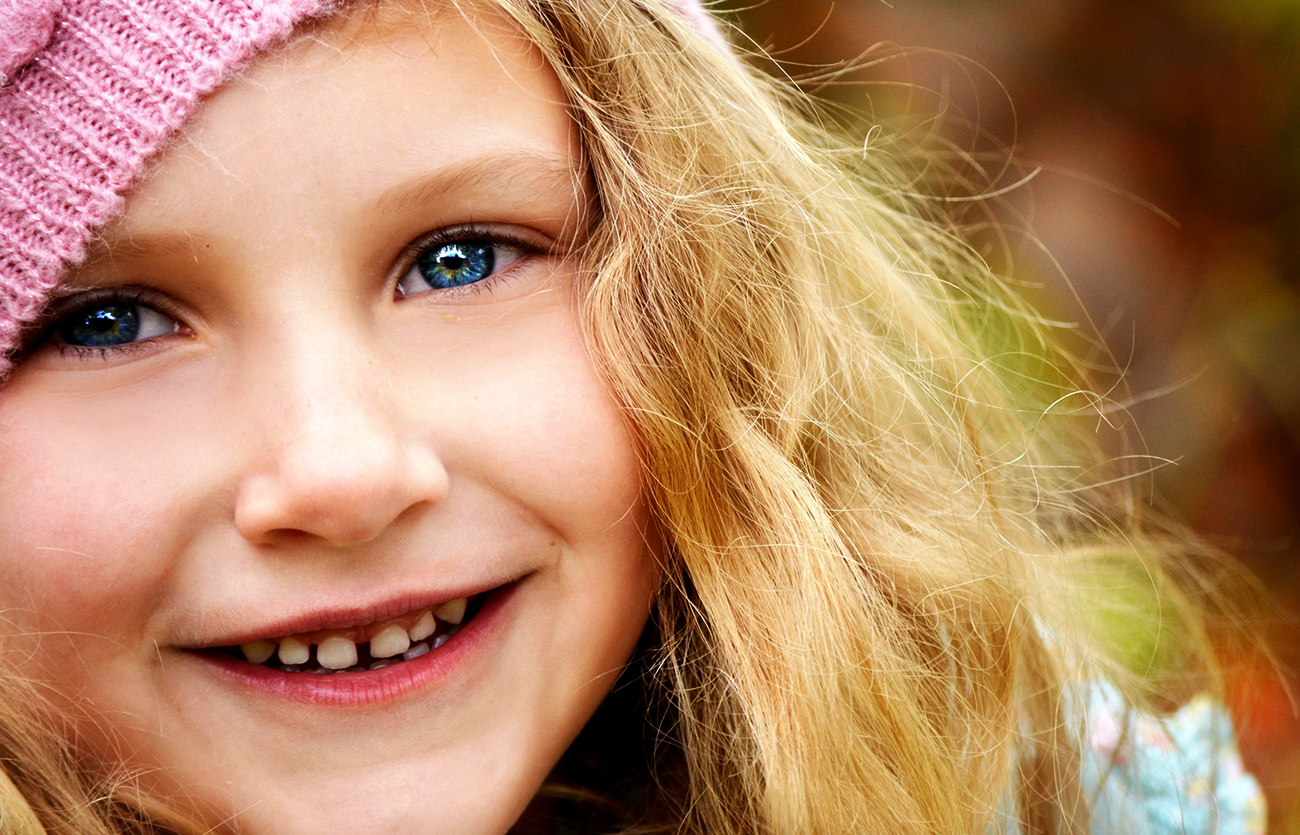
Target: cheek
(528,419)
(522,411)
(82,510)
(569,454)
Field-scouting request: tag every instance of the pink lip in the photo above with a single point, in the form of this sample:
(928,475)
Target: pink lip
(370,687)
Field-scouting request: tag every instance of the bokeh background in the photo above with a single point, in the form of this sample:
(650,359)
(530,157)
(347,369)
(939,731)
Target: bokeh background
(1161,139)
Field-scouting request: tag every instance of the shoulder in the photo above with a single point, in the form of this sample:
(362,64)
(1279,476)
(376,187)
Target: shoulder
(1166,775)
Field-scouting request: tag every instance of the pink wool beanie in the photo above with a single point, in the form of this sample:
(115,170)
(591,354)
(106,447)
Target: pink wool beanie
(90,90)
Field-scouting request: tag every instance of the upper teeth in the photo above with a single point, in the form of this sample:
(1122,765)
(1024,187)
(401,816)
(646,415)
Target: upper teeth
(337,652)
(258,651)
(424,627)
(391,640)
(294,651)
(453,611)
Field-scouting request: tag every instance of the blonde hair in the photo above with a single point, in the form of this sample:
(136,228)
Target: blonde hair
(47,787)
(877,547)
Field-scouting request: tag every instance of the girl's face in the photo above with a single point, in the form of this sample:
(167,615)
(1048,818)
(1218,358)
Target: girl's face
(323,376)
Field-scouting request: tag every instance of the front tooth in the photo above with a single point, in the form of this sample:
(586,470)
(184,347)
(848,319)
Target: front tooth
(415,652)
(336,653)
(293,651)
(424,627)
(391,640)
(258,651)
(453,611)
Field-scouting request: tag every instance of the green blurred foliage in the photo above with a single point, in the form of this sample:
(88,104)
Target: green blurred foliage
(1135,618)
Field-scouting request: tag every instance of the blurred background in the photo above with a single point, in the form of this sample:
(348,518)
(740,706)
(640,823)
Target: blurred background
(1162,141)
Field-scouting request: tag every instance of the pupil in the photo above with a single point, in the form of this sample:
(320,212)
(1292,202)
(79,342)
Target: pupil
(106,325)
(457,264)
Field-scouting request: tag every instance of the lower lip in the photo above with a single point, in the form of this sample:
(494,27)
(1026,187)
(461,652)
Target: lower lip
(371,687)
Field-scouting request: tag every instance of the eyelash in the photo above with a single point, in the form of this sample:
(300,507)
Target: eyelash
(522,246)
(44,332)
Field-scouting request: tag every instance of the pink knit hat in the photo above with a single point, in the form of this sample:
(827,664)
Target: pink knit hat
(90,90)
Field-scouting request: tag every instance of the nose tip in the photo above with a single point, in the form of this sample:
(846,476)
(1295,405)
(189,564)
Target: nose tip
(344,487)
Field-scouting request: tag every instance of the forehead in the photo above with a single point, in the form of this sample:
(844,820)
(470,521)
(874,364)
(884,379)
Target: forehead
(358,109)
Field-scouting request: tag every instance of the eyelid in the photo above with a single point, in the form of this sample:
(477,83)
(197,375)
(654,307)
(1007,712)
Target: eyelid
(62,301)
(506,234)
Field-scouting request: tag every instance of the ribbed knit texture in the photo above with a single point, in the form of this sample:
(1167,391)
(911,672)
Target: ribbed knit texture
(25,28)
(91,89)
(79,120)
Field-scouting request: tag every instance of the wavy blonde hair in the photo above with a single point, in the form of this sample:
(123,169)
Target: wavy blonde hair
(881,551)
(878,547)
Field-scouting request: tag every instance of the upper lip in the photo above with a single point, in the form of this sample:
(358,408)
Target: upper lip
(347,616)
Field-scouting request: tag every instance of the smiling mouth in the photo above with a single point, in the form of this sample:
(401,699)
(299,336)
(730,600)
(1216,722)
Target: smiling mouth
(382,643)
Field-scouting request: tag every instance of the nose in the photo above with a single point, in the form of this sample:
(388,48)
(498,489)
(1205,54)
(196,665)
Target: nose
(337,458)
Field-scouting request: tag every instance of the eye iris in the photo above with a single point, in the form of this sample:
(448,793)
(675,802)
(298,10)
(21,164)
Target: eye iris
(106,325)
(457,264)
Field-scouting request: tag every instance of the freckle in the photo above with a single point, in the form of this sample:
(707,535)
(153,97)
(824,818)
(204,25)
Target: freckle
(450,317)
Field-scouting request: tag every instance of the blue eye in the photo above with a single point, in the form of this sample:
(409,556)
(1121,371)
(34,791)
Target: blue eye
(459,263)
(112,324)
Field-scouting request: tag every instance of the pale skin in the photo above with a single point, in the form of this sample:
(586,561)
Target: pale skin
(304,428)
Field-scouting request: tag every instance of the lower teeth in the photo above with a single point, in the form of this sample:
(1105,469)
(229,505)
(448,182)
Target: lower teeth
(416,651)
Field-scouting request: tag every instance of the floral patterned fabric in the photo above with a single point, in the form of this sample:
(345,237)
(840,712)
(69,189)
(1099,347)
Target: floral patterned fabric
(1145,775)
(1176,775)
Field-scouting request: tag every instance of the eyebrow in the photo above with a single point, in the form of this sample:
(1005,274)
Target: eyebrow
(111,246)
(526,171)
(516,171)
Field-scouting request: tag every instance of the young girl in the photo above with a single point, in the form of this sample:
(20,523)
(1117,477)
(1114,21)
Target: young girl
(393,387)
